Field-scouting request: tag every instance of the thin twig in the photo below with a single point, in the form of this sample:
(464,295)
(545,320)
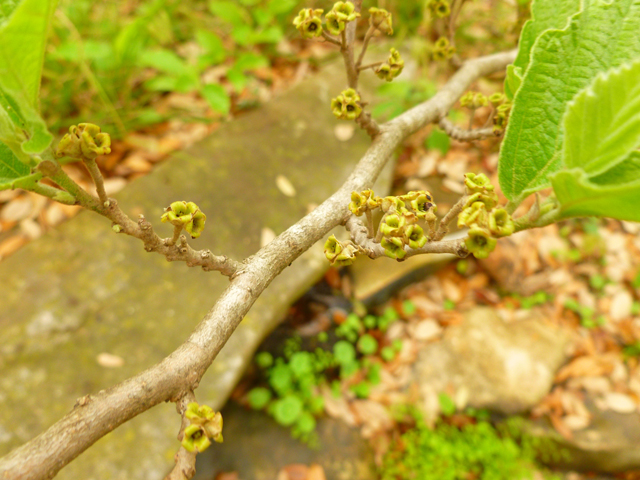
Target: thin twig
(371,65)
(98,181)
(462,135)
(365,44)
(45,455)
(331,39)
(453,212)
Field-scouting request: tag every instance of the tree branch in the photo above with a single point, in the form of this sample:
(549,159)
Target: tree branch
(180,372)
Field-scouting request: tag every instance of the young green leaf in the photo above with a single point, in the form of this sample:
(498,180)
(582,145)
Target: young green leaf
(609,195)
(22,43)
(10,167)
(229,12)
(217,97)
(603,35)
(602,123)
(545,15)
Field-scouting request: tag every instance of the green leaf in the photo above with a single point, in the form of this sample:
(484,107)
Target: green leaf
(217,97)
(212,46)
(287,410)
(229,12)
(563,62)
(439,140)
(161,83)
(602,123)
(10,167)
(164,61)
(602,196)
(344,353)
(271,34)
(367,345)
(446,404)
(512,81)
(545,15)
(259,397)
(22,43)
(6,9)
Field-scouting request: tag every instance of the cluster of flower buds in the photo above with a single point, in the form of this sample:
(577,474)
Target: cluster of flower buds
(439,8)
(204,425)
(381,19)
(84,141)
(503,109)
(309,20)
(442,49)
(340,253)
(347,106)
(399,226)
(339,16)
(486,221)
(474,100)
(392,67)
(186,215)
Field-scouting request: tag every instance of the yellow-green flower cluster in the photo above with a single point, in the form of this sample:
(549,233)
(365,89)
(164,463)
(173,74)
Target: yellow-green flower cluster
(309,23)
(340,254)
(392,67)
(501,117)
(363,201)
(84,141)
(486,221)
(205,425)
(399,226)
(347,105)
(439,8)
(339,16)
(381,19)
(474,100)
(442,49)
(186,215)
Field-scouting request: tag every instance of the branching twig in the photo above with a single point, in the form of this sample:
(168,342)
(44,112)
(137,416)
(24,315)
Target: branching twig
(462,135)
(180,372)
(358,232)
(331,39)
(365,44)
(185,467)
(98,181)
(142,229)
(453,212)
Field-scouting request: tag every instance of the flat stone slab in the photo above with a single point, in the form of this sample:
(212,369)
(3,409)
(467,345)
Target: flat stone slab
(81,291)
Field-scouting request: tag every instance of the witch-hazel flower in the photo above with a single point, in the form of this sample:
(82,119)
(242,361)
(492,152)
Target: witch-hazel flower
(309,23)
(84,141)
(347,105)
(480,242)
(381,19)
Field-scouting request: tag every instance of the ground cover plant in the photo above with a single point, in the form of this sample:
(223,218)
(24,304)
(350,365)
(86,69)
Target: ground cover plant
(572,134)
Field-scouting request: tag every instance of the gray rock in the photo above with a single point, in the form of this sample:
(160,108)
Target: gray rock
(610,444)
(257,447)
(82,290)
(503,367)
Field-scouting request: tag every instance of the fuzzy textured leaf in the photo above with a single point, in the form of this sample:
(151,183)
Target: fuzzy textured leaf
(563,62)
(22,44)
(545,15)
(614,194)
(10,167)
(602,123)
